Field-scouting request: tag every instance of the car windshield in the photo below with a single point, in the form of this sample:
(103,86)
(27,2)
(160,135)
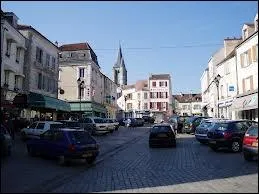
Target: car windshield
(81,137)
(158,129)
(253,131)
(56,126)
(98,121)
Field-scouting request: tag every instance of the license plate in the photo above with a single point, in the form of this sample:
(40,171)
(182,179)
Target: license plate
(87,155)
(255,144)
(162,135)
(213,142)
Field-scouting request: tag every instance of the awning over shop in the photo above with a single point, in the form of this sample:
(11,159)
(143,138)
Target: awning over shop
(245,102)
(41,101)
(87,106)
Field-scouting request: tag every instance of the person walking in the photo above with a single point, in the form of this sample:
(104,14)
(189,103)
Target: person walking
(129,123)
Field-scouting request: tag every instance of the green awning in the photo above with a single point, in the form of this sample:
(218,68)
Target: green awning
(41,101)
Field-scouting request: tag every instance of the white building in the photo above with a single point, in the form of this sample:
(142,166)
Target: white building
(160,95)
(246,103)
(79,62)
(12,63)
(188,104)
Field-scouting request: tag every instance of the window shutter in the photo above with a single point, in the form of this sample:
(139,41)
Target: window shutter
(249,52)
(242,59)
(254,53)
(243,83)
(251,83)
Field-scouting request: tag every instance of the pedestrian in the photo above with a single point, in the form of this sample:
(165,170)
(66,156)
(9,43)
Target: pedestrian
(129,123)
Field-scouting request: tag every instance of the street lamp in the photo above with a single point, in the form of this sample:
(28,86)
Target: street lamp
(125,99)
(216,81)
(81,85)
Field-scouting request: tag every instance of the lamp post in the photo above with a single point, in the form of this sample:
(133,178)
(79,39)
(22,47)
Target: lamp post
(125,99)
(216,81)
(81,85)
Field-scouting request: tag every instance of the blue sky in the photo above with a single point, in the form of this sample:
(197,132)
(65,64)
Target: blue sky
(151,25)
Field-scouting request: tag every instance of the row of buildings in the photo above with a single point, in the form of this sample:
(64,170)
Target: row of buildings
(40,78)
(229,85)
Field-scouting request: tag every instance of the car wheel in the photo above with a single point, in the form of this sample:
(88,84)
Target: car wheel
(214,148)
(236,146)
(63,161)
(91,160)
(248,157)
(31,151)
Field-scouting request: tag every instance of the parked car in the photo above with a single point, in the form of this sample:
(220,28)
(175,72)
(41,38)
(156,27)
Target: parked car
(191,123)
(229,134)
(39,127)
(116,123)
(71,124)
(250,143)
(139,122)
(162,135)
(202,130)
(178,122)
(110,125)
(65,144)
(87,124)
(6,142)
(148,119)
(101,126)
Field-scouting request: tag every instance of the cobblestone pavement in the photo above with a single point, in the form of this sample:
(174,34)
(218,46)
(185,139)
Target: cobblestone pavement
(21,173)
(190,167)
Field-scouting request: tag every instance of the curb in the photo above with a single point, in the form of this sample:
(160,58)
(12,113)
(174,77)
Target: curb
(49,185)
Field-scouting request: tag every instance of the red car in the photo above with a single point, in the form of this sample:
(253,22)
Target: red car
(250,143)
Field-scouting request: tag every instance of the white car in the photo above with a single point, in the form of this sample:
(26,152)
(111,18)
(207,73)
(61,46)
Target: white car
(111,125)
(39,127)
(101,126)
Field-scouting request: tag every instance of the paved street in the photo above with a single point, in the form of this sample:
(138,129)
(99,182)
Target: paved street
(190,167)
(21,173)
(134,167)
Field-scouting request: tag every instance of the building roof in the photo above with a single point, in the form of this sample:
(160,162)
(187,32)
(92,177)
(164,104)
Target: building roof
(26,27)
(187,98)
(250,24)
(75,47)
(159,76)
(120,60)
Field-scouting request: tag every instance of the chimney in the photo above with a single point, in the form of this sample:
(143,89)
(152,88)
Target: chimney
(229,45)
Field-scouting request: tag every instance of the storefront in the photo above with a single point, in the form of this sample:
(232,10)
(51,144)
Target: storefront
(41,106)
(246,106)
(224,108)
(88,108)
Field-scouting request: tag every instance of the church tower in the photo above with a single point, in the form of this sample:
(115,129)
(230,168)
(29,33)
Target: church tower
(119,70)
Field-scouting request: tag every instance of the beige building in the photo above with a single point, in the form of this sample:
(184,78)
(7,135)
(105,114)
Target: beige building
(78,62)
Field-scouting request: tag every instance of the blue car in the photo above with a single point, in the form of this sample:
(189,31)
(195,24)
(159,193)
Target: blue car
(65,144)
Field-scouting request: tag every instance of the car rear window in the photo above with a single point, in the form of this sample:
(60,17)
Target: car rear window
(158,129)
(253,131)
(206,124)
(221,126)
(56,126)
(72,124)
(81,137)
(98,121)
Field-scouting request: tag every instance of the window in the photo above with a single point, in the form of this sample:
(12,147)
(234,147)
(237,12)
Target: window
(249,56)
(161,84)
(166,83)
(47,60)
(8,48)
(154,84)
(248,84)
(43,82)
(166,95)
(226,67)
(18,53)
(6,80)
(40,126)
(196,107)
(53,62)
(16,81)
(39,54)
(81,72)
(145,106)
(129,106)
(145,95)
(39,80)
(221,91)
